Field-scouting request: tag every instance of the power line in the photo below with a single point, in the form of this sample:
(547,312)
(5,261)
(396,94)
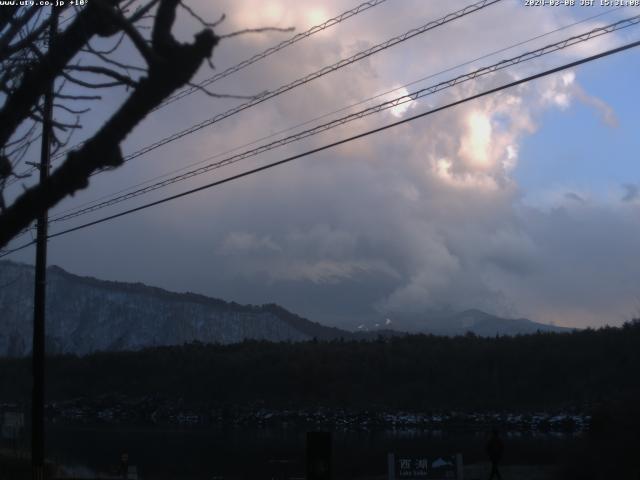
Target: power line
(113,195)
(361,114)
(309,77)
(245,63)
(270,51)
(340,142)
(342,109)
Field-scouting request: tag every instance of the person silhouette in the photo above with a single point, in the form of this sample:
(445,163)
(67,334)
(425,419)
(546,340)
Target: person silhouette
(494,450)
(123,471)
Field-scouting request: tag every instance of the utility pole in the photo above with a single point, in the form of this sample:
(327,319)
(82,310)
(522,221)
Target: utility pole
(37,399)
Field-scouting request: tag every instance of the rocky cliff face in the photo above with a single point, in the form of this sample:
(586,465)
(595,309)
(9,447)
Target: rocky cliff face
(86,315)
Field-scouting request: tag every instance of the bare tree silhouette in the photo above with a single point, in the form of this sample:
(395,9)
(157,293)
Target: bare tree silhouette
(81,70)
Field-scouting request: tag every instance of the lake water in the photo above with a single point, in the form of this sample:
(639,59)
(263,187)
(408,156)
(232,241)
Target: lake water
(248,452)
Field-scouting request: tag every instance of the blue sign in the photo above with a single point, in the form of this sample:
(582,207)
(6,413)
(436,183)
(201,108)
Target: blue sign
(423,467)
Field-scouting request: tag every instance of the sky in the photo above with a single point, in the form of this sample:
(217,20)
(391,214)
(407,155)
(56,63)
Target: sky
(524,203)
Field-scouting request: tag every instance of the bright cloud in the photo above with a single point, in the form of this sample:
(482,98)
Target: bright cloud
(476,141)
(422,217)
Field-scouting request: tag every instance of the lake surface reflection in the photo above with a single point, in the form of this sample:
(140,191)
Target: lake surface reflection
(162,453)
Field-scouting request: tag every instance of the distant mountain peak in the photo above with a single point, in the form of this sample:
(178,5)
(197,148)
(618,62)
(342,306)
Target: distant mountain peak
(482,323)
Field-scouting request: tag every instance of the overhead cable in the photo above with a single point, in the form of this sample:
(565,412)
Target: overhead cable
(387,105)
(337,143)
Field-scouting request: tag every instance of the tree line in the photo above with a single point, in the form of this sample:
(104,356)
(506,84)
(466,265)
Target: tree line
(420,372)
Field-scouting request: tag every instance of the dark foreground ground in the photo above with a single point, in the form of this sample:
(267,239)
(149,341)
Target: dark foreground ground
(19,469)
(594,373)
(605,453)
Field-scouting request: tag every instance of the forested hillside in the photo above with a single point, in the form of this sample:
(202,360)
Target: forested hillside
(545,370)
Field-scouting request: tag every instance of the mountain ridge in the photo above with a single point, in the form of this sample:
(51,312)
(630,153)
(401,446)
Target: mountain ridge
(87,314)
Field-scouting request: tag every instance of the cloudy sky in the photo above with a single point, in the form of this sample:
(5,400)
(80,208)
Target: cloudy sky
(523,203)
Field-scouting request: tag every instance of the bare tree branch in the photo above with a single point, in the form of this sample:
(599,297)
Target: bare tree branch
(122,79)
(61,125)
(220,95)
(202,21)
(171,66)
(142,11)
(256,30)
(14,29)
(78,97)
(136,38)
(110,50)
(102,56)
(67,45)
(71,110)
(25,41)
(6,15)
(84,83)
(26,135)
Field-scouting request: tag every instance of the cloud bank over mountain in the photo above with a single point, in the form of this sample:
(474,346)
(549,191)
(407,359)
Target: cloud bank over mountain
(429,216)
